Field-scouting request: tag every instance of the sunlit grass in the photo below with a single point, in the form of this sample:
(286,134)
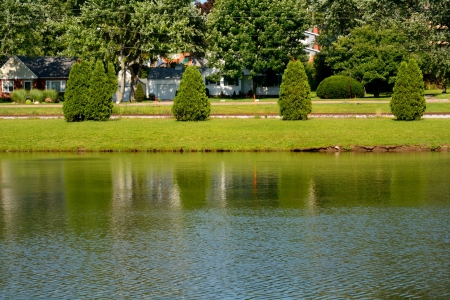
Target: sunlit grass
(233,107)
(218,134)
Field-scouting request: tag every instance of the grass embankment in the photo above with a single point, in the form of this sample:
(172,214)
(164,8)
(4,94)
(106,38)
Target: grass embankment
(218,134)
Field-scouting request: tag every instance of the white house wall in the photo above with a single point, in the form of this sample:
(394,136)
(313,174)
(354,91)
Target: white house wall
(155,87)
(267,90)
(218,89)
(126,96)
(247,84)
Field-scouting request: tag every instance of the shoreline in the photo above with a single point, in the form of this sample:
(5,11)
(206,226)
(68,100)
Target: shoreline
(327,149)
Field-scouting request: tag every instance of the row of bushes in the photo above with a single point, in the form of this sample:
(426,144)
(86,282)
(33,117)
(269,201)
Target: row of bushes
(21,96)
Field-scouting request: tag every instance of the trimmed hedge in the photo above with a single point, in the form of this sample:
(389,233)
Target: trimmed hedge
(408,101)
(294,101)
(77,92)
(99,106)
(139,95)
(340,87)
(191,102)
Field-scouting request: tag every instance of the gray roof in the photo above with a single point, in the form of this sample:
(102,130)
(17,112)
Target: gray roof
(165,73)
(49,67)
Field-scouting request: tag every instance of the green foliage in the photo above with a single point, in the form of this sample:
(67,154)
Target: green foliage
(309,70)
(100,106)
(340,87)
(332,23)
(17,19)
(408,101)
(369,54)
(101,31)
(19,96)
(191,102)
(37,95)
(52,94)
(77,92)
(255,35)
(295,101)
(112,78)
(140,95)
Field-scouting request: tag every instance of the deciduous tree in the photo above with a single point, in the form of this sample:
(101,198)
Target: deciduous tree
(255,35)
(370,55)
(131,31)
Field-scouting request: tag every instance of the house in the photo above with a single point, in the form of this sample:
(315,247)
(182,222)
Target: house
(311,46)
(21,72)
(163,82)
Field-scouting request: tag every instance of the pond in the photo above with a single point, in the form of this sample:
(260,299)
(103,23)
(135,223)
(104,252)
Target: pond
(225,225)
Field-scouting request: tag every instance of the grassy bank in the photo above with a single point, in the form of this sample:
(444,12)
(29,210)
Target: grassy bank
(232,109)
(218,134)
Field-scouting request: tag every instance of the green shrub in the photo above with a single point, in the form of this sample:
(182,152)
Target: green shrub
(112,79)
(37,95)
(309,70)
(100,106)
(19,96)
(139,95)
(295,100)
(77,91)
(408,100)
(191,102)
(340,87)
(52,94)
(28,101)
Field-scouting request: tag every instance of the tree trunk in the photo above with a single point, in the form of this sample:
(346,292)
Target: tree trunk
(254,86)
(121,91)
(376,91)
(135,70)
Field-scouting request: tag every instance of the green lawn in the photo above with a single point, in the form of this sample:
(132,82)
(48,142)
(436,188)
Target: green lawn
(249,109)
(218,134)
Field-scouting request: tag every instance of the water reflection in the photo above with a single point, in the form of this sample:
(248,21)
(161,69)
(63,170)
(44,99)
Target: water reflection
(230,225)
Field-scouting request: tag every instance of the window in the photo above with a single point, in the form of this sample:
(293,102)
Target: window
(228,81)
(7,86)
(27,85)
(58,85)
(211,82)
(270,80)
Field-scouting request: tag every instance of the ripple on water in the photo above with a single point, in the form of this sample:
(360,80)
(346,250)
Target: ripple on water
(222,253)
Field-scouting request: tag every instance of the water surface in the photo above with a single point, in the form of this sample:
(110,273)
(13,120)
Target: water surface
(225,226)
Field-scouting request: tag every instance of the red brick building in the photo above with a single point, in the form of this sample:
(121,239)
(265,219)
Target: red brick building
(20,72)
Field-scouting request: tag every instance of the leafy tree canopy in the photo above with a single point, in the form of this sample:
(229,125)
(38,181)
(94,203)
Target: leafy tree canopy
(369,54)
(255,35)
(132,31)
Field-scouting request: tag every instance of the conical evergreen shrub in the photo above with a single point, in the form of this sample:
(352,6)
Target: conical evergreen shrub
(191,102)
(295,100)
(139,96)
(99,106)
(112,78)
(408,100)
(77,92)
